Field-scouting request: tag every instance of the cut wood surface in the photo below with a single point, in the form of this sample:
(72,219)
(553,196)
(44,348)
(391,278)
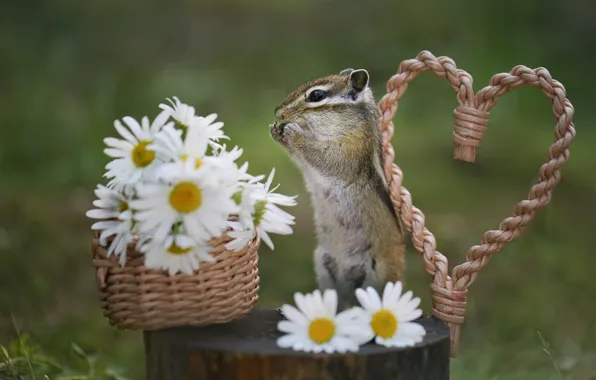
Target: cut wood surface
(246,349)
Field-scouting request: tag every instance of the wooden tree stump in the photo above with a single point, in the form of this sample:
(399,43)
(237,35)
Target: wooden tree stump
(246,349)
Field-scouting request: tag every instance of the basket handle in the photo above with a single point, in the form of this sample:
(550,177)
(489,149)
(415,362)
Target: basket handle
(471,118)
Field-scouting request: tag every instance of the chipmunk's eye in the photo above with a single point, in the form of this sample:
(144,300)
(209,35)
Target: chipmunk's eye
(317,96)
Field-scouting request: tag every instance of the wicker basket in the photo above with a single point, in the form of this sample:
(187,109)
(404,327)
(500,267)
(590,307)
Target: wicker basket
(135,297)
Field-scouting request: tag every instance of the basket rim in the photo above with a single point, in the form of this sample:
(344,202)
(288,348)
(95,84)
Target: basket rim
(135,259)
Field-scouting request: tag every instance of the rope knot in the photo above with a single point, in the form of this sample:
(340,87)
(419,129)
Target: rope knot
(450,307)
(470,124)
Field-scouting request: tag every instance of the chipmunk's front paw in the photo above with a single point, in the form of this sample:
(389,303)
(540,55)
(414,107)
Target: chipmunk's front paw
(286,133)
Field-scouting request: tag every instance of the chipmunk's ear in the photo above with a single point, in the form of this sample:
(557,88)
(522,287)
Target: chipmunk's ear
(346,72)
(359,79)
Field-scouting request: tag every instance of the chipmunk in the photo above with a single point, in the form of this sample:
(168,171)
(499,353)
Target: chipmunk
(330,128)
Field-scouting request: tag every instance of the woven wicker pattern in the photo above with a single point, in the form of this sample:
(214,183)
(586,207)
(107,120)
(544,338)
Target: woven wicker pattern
(135,297)
(471,117)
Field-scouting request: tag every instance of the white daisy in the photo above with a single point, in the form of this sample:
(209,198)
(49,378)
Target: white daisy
(133,159)
(178,253)
(173,147)
(249,179)
(191,196)
(241,236)
(181,112)
(315,326)
(184,115)
(113,208)
(259,213)
(229,174)
(390,319)
(212,130)
(193,147)
(228,158)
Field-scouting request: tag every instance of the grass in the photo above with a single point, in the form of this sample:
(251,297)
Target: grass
(22,360)
(75,67)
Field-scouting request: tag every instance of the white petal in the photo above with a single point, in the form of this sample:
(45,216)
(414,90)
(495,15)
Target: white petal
(116,153)
(266,238)
(390,299)
(344,344)
(290,327)
(362,297)
(404,301)
(195,229)
(105,224)
(383,342)
(145,125)
(197,141)
(184,241)
(302,345)
(373,298)
(413,330)
(210,118)
(287,341)
(408,311)
(159,121)
(147,226)
(118,144)
(353,314)
(125,133)
(408,316)
(291,313)
(205,256)
(269,180)
(142,204)
(359,334)
(399,342)
(282,200)
(386,292)
(238,243)
(134,127)
(101,214)
(319,306)
(303,305)
(164,227)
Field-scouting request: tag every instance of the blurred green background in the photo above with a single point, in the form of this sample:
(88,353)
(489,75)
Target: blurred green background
(69,68)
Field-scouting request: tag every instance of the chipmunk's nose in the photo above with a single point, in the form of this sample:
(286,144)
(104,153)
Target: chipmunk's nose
(279,114)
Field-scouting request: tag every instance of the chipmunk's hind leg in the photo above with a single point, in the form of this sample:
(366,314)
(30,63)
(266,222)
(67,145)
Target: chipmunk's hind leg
(330,275)
(326,269)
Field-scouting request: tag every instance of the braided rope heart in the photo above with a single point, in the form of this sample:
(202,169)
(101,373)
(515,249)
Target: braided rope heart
(471,117)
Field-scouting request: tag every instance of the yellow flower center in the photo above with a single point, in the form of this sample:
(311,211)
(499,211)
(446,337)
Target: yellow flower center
(186,197)
(176,250)
(141,156)
(123,207)
(321,330)
(384,324)
(198,161)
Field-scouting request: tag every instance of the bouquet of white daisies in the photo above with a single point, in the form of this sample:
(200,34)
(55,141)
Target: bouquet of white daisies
(173,187)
